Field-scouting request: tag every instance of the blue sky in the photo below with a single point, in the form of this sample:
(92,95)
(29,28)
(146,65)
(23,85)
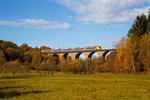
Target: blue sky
(68,23)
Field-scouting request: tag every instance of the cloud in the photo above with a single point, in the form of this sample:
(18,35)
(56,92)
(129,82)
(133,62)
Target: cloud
(106,11)
(33,23)
(115,25)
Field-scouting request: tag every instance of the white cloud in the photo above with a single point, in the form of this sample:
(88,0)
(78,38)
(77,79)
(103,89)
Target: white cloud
(106,11)
(115,25)
(33,23)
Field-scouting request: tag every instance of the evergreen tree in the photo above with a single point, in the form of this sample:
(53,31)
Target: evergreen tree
(139,26)
(148,23)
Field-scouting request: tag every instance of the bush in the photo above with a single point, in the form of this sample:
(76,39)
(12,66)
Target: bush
(49,65)
(77,66)
(15,67)
(64,66)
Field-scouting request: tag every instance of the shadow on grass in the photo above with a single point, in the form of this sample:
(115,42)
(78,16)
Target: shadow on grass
(19,77)
(15,77)
(16,93)
(35,92)
(9,94)
(12,87)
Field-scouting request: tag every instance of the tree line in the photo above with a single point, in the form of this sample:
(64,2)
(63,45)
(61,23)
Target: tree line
(24,59)
(132,55)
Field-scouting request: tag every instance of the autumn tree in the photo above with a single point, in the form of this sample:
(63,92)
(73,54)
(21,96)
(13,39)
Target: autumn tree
(36,60)
(49,65)
(2,57)
(25,47)
(64,66)
(119,59)
(5,44)
(144,54)
(77,66)
(140,27)
(132,52)
(89,66)
(110,61)
(99,64)
(15,67)
(28,57)
(10,54)
(44,47)
(2,61)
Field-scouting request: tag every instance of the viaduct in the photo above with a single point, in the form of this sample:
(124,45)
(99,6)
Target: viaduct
(76,54)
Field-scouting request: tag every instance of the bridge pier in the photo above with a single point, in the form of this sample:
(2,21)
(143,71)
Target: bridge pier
(100,54)
(73,55)
(87,54)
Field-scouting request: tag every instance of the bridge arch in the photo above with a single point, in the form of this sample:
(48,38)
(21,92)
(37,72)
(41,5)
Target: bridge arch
(91,54)
(82,54)
(55,55)
(55,58)
(65,55)
(78,55)
(105,53)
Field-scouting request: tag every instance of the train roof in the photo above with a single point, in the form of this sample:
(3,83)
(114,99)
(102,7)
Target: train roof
(73,48)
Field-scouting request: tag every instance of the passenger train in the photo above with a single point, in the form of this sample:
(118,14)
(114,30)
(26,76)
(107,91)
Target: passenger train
(72,49)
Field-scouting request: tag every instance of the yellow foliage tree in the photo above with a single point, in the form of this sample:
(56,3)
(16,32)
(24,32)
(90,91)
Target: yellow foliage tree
(145,51)
(119,58)
(132,52)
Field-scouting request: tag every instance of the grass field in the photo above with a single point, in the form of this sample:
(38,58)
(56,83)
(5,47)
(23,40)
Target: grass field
(76,87)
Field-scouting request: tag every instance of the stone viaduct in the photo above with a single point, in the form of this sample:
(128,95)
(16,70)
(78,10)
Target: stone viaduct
(87,53)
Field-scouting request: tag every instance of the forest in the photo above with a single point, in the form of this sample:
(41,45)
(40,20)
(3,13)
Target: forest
(132,55)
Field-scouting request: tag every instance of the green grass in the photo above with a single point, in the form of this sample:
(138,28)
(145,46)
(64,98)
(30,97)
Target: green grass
(76,87)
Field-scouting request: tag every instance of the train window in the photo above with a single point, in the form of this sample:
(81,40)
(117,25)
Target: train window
(87,48)
(77,49)
(58,50)
(69,50)
(72,49)
(63,50)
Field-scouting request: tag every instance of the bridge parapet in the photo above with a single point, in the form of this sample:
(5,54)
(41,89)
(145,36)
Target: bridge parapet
(77,51)
(87,53)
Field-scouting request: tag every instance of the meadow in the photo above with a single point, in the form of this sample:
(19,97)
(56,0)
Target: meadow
(76,87)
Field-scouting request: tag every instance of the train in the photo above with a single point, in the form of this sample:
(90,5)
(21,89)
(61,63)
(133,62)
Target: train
(72,49)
